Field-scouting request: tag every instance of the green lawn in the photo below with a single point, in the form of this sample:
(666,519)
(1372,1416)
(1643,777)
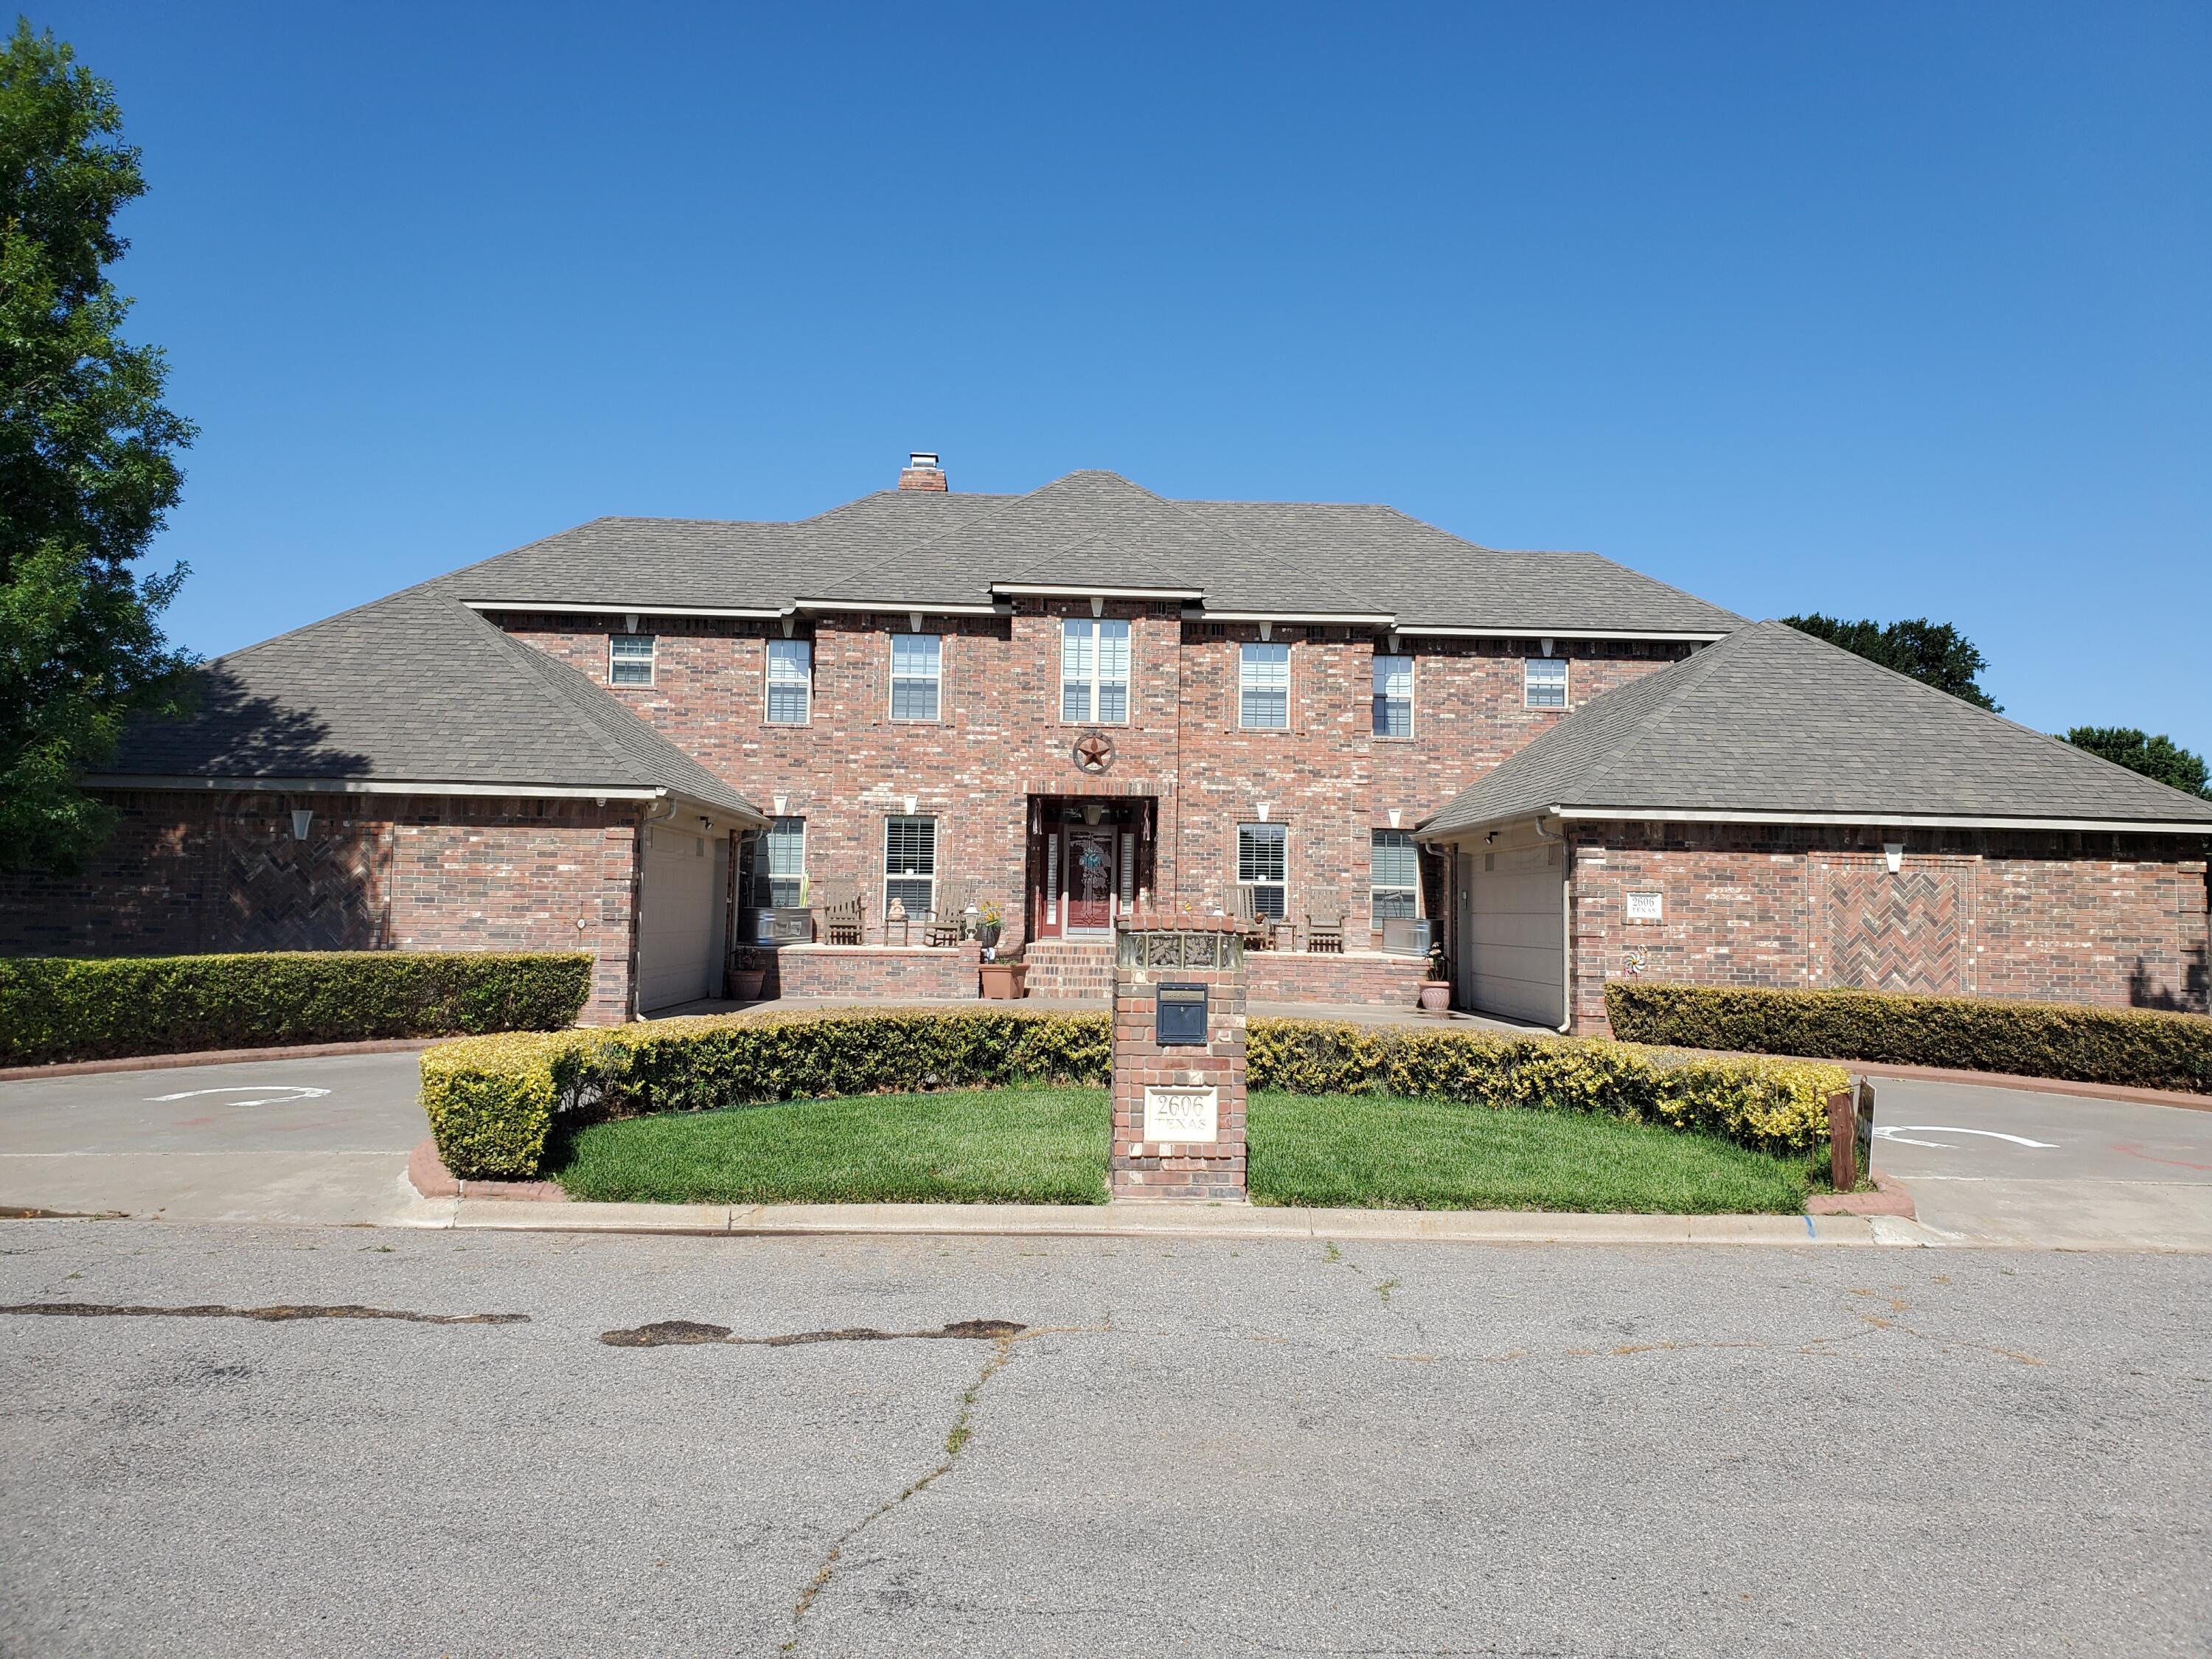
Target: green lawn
(963,1146)
(1383,1152)
(1039,1145)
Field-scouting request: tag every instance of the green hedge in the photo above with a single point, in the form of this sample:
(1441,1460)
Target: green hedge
(492,1101)
(2141,1048)
(57,1008)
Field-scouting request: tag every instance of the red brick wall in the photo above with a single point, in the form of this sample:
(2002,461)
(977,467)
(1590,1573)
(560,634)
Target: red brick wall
(1001,739)
(875,972)
(2114,921)
(1353,979)
(188,873)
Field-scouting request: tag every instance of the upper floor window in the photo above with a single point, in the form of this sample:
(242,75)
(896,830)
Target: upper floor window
(1094,671)
(1544,682)
(910,865)
(1394,873)
(916,674)
(790,681)
(1263,684)
(780,877)
(629,660)
(1263,865)
(1394,697)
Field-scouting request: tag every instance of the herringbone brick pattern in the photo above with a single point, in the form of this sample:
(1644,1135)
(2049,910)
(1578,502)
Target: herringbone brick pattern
(1898,932)
(325,893)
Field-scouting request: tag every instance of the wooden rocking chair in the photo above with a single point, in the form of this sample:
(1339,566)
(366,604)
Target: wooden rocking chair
(844,917)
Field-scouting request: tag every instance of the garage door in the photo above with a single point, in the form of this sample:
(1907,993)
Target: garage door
(679,926)
(1513,934)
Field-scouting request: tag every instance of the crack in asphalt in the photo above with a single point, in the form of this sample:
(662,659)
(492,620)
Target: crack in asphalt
(683,1332)
(271,1314)
(955,1439)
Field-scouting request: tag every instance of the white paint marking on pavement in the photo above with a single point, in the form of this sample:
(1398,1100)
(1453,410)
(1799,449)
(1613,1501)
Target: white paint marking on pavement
(1898,1132)
(289,1092)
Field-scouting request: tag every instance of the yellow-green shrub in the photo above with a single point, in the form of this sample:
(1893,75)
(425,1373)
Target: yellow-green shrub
(57,1008)
(2141,1047)
(1772,1105)
(492,1101)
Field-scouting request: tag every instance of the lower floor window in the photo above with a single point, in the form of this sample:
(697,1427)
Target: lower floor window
(1394,876)
(780,881)
(1263,865)
(910,865)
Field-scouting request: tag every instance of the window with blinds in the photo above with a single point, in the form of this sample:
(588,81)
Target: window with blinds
(779,874)
(1094,671)
(629,660)
(1544,682)
(910,865)
(916,674)
(790,682)
(1263,865)
(1263,684)
(1394,697)
(1394,876)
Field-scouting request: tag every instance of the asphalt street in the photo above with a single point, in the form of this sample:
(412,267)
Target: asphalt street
(1204,1448)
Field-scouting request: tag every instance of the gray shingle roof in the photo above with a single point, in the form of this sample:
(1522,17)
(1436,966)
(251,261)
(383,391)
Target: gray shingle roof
(412,688)
(1773,721)
(901,550)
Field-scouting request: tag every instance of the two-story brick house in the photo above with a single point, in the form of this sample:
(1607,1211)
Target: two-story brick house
(1068,703)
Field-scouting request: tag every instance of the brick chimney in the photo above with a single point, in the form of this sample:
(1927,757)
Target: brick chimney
(922,472)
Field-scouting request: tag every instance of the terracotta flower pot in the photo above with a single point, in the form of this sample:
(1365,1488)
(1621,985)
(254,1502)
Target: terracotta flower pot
(1435,996)
(746,983)
(1002,980)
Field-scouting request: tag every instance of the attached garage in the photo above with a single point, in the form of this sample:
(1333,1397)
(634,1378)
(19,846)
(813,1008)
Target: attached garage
(1512,951)
(681,914)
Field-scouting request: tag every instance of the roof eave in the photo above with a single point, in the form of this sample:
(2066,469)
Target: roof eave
(1898,820)
(563,608)
(1578,630)
(184,782)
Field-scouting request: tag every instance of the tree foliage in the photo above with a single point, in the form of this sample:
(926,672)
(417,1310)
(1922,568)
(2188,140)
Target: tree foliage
(1934,654)
(2158,757)
(88,460)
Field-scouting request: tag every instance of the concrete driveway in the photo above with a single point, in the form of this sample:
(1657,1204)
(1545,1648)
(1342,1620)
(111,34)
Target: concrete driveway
(2003,1166)
(323,1139)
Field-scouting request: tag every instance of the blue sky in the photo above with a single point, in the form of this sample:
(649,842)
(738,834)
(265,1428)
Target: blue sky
(1879,310)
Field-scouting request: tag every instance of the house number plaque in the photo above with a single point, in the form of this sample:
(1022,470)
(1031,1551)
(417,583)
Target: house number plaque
(1180,1114)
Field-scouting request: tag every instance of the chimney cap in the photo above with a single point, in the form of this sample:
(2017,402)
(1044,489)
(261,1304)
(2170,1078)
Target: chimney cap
(922,471)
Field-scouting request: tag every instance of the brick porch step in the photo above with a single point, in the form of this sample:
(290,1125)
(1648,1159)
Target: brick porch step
(1081,970)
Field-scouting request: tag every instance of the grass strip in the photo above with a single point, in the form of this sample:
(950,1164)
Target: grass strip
(1387,1152)
(963,1146)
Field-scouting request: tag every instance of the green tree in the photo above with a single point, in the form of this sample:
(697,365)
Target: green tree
(2158,757)
(1934,653)
(88,460)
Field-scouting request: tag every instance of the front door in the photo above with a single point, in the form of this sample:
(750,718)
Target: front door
(1088,881)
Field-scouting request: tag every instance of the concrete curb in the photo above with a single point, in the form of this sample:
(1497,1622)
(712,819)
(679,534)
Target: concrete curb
(1888,1197)
(428,1174)
(1154,1220)
(215,1057)
(2033,1086)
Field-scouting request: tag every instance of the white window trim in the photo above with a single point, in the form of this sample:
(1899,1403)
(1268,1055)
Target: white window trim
(652,662)
(1097,681)
(1237,861)
(892,677)
(1413,677)
(766,876)
(1566,684)
(769,683)
(1289,686)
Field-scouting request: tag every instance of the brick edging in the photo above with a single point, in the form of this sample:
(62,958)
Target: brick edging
(2038,1086)
(428,1174)
(215,1057)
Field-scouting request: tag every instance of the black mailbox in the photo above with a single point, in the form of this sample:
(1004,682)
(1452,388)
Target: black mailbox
(1180,1017)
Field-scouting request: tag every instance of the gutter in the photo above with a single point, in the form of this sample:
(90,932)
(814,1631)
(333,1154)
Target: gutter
(1871,820)
(184,784)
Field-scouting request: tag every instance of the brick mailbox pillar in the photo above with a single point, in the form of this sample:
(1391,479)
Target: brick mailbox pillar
(1179,1058)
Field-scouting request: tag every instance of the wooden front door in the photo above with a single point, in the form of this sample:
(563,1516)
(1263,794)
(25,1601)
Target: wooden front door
(1087,883)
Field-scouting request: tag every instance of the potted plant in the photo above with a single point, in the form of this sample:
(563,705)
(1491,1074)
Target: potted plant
(1002,976)
(1436,990)
(990,921)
